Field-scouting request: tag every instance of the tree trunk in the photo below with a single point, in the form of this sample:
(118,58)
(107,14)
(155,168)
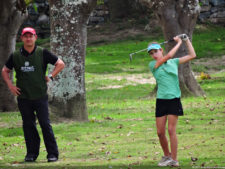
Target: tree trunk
(10,20)
(177,17)
(68,41)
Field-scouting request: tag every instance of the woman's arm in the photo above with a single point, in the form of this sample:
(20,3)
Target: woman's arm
(191,53)
(171,53)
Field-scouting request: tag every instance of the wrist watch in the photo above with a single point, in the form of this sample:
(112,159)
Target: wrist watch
(50,77)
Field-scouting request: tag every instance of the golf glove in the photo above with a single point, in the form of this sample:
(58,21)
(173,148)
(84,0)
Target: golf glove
(183,37)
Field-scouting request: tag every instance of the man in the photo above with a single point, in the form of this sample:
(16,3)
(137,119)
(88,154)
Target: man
(30,64)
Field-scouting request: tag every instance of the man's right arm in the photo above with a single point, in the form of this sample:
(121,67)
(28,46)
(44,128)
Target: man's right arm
(5,74)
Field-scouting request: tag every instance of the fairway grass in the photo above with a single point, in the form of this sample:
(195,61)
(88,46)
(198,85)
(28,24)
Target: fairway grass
(121,131)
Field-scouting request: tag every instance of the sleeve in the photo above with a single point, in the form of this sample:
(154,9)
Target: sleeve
(176,61)
(152,65)
(49,57)
(9,63)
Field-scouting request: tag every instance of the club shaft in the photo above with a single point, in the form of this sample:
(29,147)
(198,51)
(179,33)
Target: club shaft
(182,36)
(171,40)
(147,48)
(139,51)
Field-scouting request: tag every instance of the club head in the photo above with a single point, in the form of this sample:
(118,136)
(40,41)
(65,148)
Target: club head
(130,57)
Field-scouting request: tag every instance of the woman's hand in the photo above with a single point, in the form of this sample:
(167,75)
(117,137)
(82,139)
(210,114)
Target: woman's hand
(177,39)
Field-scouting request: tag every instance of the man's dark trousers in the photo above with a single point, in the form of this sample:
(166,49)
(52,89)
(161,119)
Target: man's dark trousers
(27,109)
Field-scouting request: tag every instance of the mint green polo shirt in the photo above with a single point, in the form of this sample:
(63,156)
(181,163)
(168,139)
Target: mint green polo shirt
(167,79)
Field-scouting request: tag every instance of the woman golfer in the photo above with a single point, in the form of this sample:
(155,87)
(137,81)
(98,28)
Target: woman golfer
(168,104)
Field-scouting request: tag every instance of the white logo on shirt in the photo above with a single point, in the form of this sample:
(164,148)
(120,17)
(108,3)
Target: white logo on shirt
(27,68)
(26,63)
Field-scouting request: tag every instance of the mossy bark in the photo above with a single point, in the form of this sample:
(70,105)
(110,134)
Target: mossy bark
(68,41)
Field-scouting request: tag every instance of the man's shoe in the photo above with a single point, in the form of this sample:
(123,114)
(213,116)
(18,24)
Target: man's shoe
(52,159)
(29,159)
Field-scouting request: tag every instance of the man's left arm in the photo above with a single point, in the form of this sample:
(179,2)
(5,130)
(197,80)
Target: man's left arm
(59,65)
(54,60)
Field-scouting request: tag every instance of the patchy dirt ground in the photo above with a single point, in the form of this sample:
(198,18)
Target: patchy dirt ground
(134,79)
(211,65)
(110,32)
(98,37)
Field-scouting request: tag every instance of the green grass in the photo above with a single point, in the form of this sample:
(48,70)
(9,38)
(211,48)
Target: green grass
(114,57)
(121,132)
(209,41)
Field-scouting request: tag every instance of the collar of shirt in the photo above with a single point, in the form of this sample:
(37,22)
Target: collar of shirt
(25,53)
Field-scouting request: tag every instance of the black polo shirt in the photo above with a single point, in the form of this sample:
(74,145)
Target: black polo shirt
(48,57)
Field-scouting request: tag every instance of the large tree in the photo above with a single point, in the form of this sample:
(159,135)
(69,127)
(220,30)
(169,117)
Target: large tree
(177,17)
(68,41)
(12,15)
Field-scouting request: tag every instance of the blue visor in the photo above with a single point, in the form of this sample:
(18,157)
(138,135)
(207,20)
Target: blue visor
(153,46)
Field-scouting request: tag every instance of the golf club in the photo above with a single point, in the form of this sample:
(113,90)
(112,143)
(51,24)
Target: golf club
(182,36)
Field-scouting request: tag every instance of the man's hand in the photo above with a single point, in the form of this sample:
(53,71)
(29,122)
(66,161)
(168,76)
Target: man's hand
(14,90)
(5,74)
(47,79)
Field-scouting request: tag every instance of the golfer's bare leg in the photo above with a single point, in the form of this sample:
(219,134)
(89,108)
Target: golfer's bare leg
(161,131)
(172,123)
